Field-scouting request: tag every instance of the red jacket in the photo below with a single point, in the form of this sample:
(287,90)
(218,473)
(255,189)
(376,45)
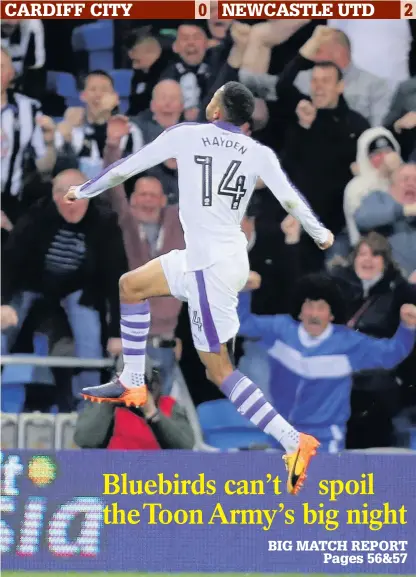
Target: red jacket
(131,432)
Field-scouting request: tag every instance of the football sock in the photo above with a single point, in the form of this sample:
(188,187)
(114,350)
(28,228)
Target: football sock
(135,325)
(251,403)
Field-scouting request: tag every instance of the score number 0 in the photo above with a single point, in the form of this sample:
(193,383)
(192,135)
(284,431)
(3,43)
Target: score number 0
(202,9)
(408,10)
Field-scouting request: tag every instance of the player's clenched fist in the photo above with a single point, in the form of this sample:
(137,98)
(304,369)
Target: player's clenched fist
(70,196)
(408,315)
(328,243)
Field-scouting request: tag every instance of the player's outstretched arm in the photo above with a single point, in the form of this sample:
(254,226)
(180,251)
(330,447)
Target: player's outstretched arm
(275,179)
(158,151)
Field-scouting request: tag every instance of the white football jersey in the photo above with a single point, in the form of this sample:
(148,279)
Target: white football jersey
(218,168)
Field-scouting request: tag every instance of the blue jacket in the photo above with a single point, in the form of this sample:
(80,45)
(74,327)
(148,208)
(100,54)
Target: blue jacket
(310,378)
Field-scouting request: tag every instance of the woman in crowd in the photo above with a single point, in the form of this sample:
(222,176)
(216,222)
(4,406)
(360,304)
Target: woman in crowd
(374,291)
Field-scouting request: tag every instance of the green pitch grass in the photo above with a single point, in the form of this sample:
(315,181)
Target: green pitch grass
(111,574)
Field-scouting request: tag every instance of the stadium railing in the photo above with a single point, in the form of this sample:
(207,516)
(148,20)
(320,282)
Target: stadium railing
(61,427)
(22,421)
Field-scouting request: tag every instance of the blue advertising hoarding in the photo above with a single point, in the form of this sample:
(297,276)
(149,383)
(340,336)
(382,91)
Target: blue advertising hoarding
(182,511)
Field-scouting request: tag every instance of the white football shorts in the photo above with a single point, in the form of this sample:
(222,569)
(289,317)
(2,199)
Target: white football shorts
(211,294)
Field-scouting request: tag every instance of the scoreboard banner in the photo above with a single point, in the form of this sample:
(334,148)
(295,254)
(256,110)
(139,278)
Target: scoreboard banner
(201,9)
(174,511)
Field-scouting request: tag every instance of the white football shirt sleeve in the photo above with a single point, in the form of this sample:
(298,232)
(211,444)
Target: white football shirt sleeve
(275,179)
(159,150)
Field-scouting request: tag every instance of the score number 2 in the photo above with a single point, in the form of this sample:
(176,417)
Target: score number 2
(408,10)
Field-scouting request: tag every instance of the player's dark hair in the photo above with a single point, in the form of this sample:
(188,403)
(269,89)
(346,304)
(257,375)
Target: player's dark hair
(98,73)
(237,102)
(328,64)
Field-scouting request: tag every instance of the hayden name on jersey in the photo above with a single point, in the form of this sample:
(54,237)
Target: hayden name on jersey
(218,168)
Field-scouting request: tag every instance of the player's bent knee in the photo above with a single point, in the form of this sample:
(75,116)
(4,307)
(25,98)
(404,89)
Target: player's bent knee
(123,285)
(129,286)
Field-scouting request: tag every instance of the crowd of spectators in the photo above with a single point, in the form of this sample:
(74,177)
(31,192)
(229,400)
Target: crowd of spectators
(336,100)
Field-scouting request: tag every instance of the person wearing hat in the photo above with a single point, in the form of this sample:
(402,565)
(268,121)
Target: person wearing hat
(378,155)
(312,357)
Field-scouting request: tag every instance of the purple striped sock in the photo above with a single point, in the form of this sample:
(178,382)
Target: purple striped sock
(134,325)
(251,403)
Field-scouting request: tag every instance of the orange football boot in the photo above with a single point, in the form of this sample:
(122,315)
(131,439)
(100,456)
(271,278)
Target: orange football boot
(297,463)
(116,392)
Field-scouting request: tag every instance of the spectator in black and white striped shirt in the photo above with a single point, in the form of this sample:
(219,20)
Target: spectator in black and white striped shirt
(83,131)
(25,42)
(26,135)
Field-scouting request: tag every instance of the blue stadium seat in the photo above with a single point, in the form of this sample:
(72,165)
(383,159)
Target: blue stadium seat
(122,81)
(124,105)
(12,398)
(100,60)
(62,83)
(15,377)
(224,428)
(13,381)
(98,40)
(40,345)
(92,37)
(65,85)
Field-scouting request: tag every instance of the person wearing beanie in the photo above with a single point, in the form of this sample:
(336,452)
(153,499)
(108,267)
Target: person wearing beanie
(378,155)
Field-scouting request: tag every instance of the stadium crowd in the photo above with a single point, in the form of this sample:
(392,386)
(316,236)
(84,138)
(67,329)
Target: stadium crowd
(336,100)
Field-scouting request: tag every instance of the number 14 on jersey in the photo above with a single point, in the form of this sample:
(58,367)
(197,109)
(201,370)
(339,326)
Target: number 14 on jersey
(231,184)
